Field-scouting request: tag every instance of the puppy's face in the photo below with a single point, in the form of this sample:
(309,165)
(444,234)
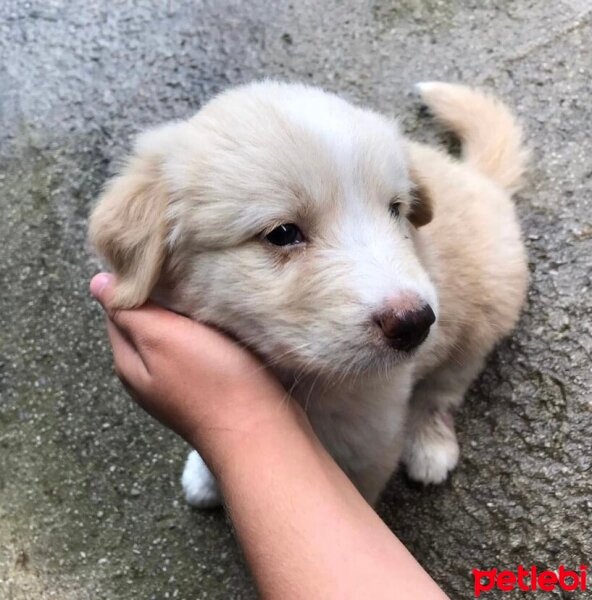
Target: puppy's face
(283,215)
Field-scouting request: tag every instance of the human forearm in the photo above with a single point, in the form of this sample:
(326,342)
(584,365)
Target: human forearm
(306,531)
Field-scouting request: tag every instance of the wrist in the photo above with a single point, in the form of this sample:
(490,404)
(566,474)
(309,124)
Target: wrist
(278,454)
(247,420)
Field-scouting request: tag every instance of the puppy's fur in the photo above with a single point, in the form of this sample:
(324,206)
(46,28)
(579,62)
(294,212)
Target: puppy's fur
(186,220)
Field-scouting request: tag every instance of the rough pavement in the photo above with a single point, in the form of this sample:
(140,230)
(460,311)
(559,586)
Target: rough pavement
(90,505)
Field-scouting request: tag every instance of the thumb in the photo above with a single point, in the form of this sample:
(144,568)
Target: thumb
(101,287)
(147,318)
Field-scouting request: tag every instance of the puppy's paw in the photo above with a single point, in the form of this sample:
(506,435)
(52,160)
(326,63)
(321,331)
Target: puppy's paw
(431,452)
(199,485)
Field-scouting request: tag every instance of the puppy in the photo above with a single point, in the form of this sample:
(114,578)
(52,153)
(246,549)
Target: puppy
(371,273)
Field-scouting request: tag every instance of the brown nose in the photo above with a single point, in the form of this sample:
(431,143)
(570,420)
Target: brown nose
(407,330)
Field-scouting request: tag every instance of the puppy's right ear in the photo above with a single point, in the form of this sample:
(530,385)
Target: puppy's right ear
(128,226)
(421,209)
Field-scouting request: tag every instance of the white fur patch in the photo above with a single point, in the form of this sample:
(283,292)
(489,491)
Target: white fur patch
(382,263)
(431,454)
(199,485)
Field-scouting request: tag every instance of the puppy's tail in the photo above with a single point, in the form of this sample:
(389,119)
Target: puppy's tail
(490,135)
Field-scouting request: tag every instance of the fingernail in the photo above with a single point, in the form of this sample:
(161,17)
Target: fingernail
(99,282)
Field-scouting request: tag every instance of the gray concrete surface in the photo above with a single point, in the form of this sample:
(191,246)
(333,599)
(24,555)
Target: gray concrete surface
(89,497)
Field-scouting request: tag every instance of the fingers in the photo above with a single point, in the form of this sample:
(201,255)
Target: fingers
(144,326)
(155,332)
(129,366)
(102,286)
(120,329)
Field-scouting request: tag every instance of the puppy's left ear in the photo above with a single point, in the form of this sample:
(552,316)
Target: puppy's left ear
(421,202)
(128,226)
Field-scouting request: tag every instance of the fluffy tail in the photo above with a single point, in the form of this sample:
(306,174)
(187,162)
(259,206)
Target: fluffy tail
(490,135)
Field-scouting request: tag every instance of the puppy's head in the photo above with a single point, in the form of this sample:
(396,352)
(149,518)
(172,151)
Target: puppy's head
(283,215)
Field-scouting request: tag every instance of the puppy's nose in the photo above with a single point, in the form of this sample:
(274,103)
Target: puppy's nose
(407,329)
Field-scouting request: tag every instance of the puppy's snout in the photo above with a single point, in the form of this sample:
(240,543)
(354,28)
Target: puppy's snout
(406,328)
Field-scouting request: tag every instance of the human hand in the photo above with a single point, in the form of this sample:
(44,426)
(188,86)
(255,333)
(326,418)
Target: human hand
(302,524)
(194,379)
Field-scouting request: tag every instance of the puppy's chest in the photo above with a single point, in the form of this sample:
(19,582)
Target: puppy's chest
(355,419)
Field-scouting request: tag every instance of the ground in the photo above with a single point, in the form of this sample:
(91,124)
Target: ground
(90,504)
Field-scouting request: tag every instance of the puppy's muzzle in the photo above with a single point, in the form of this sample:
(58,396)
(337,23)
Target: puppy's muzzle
(407,329)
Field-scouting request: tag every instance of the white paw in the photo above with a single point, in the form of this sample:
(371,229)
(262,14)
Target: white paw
(431,454)
(199,485)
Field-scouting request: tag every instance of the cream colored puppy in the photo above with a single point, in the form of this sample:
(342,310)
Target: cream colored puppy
(371,273)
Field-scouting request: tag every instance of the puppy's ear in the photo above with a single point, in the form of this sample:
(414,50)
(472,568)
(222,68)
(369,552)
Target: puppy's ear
(421,201)
(128,226)
(421,206)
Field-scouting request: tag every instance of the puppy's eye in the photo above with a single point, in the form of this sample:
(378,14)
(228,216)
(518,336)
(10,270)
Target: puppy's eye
(394,208)
(287,234)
